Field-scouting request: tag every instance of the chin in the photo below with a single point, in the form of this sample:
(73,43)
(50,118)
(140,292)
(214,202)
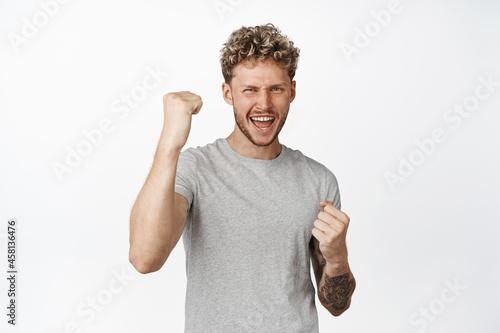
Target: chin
(262,142)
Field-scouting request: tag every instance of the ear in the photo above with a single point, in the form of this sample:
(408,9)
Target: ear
(292,91)
(226,93)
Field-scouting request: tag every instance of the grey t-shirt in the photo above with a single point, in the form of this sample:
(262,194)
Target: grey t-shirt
(247,238)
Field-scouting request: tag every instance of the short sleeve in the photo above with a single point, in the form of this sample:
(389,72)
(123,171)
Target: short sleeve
(332,189)
(185,176)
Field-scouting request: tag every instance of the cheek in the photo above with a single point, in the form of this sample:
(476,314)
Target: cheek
(244,105)
(282,103)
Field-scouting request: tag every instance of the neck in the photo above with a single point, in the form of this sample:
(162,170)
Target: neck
(243,146)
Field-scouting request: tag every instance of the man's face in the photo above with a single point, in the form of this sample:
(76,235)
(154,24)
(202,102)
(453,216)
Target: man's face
(260,89)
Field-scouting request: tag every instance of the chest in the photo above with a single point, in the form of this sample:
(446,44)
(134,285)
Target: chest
(257,209)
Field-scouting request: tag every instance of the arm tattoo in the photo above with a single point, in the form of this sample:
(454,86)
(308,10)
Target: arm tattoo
(336,290)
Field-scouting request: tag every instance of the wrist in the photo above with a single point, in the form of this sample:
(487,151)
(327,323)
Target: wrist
(337,268)
(167,146)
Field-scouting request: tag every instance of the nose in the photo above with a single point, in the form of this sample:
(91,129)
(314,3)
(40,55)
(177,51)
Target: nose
(264,100)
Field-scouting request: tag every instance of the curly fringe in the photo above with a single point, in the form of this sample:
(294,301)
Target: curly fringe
(260,42)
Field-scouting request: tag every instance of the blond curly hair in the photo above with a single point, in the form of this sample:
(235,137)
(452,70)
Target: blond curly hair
(260,42)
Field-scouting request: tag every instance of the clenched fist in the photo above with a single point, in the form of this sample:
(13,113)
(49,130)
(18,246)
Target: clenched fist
(330,230)
(178,108)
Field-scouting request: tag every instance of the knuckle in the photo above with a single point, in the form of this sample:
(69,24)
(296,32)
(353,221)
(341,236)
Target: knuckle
(171,96)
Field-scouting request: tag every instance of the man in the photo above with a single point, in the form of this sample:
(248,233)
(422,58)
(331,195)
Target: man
(252,211)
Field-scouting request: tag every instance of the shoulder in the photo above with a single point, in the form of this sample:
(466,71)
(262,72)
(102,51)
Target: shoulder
(318,168)
(201,152)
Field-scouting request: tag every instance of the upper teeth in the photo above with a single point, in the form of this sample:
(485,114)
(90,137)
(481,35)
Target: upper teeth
(262,118)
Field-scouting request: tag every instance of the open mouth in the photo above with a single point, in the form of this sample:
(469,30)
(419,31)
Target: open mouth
(262,124)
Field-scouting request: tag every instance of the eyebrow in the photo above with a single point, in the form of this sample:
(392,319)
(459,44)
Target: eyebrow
(271,86)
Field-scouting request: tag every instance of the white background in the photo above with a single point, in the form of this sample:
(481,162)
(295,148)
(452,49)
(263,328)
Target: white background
(359,115)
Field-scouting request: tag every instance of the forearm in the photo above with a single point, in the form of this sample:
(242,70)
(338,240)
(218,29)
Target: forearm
(336,287)
(152,219)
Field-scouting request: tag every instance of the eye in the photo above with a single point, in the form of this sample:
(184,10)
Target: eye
(277,89)
(249,89)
